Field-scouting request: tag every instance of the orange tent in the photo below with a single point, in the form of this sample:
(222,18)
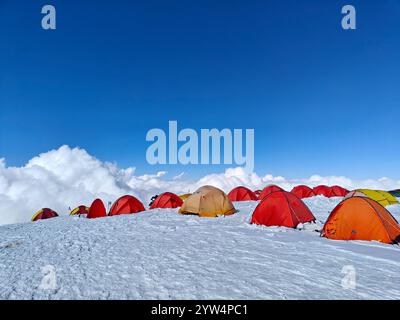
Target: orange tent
(126,205)
(359,218)
(269,189)
(97,210)
(241,194)
(167,200)
(281,208)
(303,191)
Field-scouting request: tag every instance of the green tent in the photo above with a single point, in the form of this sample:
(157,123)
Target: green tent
(395,193)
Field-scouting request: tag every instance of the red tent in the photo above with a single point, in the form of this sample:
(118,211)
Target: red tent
(126,205)
(81,210)
(43,214)
(322,191)
(303,191)
(281,208)
(269,189)
(241,194)
(337,191)
(257,193)
(97,210)
(167,200)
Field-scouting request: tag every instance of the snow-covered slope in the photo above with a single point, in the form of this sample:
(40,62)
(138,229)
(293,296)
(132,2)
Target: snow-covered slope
(160,254)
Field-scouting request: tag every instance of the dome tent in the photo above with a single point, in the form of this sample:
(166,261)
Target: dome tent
(185,196)
(283,209)
(97,210)
(208,201)
(126,205)
(303,191)
(257,193)
(241,194)
(361,218)
(80,210)
(167,200)
(43,214)
(337,191)
(322,191)
(269,189)
(355,193)
(382,197)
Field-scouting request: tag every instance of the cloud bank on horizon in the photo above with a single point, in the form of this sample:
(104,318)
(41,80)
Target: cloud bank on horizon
(67,177)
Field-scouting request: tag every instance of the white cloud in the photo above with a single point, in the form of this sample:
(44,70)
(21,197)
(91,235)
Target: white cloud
(68,177)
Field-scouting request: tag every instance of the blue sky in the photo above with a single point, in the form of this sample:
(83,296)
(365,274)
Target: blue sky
(321,100)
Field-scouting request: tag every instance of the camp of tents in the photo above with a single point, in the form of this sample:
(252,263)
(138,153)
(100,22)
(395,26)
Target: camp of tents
(360,216)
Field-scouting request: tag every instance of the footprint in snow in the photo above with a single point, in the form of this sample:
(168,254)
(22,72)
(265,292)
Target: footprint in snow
(10,245)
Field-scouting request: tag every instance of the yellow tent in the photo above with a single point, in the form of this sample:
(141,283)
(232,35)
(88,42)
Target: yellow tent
(185,196)
(208,201)
(382,197)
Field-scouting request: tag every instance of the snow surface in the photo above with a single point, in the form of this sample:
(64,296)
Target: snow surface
(160,254)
